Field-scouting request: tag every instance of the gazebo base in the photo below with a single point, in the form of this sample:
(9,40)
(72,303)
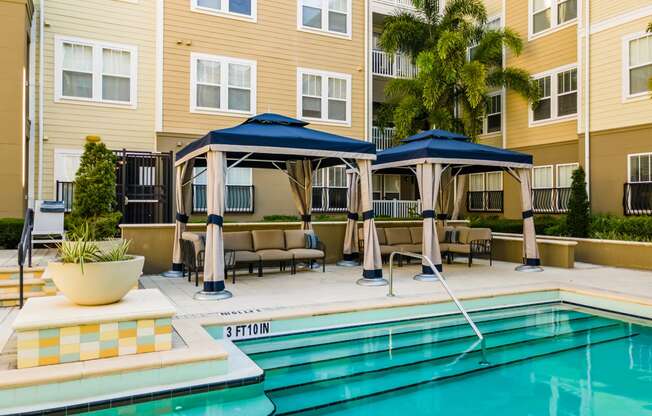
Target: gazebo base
(172,273)
(348,263)
(372,282)
(224,294)
(426,277)
(528,269)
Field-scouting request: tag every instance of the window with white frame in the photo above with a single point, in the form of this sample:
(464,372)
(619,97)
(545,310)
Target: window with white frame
(493,119)
(494,181)
(377,187)
(93,71)
(330,16)
(565,174)
(229,8)
(476,182)
(549,14)
(542,177)
(640,168)
(324,96)
(484,191)
(66,164)
(638,65)
(493,23)
(223,85)
(558,96)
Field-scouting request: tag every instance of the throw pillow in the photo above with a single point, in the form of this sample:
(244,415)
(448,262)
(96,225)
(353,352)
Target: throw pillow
(312,241)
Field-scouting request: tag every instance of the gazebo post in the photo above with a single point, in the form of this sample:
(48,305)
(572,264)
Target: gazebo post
(350,252)
(183,199)
(214,288)
(429,180)
(531,260)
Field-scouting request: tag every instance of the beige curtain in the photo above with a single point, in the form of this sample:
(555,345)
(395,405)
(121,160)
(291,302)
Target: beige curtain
(429,180)
(350,250)
(530,249)
(459,197)
(183,200)
(214,254)
(372,266)
(300,176)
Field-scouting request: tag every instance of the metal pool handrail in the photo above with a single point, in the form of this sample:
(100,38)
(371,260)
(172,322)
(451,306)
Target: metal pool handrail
(441,280)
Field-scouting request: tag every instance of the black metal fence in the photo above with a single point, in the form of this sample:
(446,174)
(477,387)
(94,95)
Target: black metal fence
(485,201)
(550,200)
(326,199)
(637,198)
(239,199)
(65,192)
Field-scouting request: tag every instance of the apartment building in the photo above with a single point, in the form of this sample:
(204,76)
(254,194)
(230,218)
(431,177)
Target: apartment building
(16,119)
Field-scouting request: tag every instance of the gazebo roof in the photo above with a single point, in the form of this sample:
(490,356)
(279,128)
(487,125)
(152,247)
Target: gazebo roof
(268,139)
(440,146)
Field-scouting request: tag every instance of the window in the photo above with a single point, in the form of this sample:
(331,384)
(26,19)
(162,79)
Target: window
(377,187)
(392,187)
(542,177)
(329,189)
(330,16)
(638,65)
(485,191)
(550,14)
(324,96)
(640,168)
(476,182)
(493,119)
(66,164)
(558,96)
(222,85)
(228,8)
(94,71)
(565,174)
(493,23)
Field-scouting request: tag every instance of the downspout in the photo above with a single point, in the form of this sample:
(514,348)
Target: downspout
(32,112)
(367,72)
(587,101)
(41,95)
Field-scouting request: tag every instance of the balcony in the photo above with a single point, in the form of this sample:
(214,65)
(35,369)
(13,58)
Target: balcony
(484,201)
(65,192)
(383,138)
(239,199)
(550,200)
(327,199)
(392,65)
(637,198)
(388,7)
(397,208)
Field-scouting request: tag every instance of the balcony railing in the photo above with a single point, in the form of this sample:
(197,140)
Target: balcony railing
(484,201)
(239,199)
(398,3)
(329,199)
(392,65)
(637,198)
(550,200)
(396,208)
(65,193)
(383,138)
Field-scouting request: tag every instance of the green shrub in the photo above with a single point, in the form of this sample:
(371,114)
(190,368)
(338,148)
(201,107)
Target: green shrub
(10,231)
(610,227)
(280,218)
(543,224)
(99,227)
(578,218)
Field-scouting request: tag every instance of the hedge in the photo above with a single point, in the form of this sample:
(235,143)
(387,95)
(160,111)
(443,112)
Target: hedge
(544,225)
(10,231)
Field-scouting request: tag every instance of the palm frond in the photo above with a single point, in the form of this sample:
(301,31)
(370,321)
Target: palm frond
(457,11)
(473,77)
(404,32)
(517,80)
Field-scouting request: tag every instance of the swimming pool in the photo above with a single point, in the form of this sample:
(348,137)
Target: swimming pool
(543,360)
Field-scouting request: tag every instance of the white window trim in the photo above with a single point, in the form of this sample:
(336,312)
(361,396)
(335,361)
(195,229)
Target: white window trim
(250,180)
(627,96)
(485,121)
(629,166)
(194,57)
(554,27)
(324,102)
(552,172)
(324,21)
(97,73)
(58,152)
(502,183)
(575,164)
(554,97)
(225,11)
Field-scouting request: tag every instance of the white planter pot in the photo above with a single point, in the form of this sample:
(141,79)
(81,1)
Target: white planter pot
(100,283)
(107,245)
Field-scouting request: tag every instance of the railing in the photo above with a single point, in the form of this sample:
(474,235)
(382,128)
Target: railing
(25,252)
(484,201)
(327,199)
(399,3)
(239,199)
(637,198)
(550,200)
(66,193)
(392,65)
(383,138)
(396,208)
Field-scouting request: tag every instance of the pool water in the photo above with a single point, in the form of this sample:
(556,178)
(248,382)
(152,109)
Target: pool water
(545,360)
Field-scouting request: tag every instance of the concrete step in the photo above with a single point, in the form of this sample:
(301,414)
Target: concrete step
(11,299)
(13,273)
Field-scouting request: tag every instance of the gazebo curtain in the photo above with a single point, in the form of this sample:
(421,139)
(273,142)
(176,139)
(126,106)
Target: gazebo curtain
(300,175)
(372,267)
(459,196)
(183,199)
(429,180)
(350,249)
(214,254)
(530,249)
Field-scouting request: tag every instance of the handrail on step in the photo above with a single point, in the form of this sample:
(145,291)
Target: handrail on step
(25,250)
(441,279)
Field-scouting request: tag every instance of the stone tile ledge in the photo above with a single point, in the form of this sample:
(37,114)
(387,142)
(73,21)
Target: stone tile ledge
(58,311)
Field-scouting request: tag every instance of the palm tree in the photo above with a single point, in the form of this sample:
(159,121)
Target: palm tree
(459,62)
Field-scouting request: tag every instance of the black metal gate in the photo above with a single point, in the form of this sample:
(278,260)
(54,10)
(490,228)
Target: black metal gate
(144,187)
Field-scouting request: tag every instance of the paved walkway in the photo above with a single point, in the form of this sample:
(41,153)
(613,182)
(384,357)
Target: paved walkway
(40,257)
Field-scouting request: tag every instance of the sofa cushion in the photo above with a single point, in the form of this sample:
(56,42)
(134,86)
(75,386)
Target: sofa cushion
(451,235)
(397,236)
(441,233)
(246,257)
(412,248)
(444,247)
(268,240)
(274,255)
(198,239)
(306,253)
(382,240)
(295,239)
(417,234)
(479,234)
(386,250)
(463,235)
(459,248)
(238,241)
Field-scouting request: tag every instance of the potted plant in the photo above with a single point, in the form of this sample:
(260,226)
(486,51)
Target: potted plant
(87,275)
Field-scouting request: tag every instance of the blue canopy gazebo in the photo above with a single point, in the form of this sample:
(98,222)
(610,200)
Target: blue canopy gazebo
(430,153)
(270,141)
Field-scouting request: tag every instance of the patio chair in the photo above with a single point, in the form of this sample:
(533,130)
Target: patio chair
(269,245)
(295,243)
(193,260)
(472,243)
